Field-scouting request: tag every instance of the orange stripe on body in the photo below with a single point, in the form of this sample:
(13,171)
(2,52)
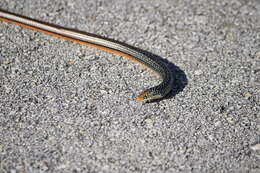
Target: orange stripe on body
(113,51)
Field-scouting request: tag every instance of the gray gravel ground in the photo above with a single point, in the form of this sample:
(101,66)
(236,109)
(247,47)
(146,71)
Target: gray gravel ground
(66,108)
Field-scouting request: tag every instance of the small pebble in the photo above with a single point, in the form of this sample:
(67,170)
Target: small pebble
(149,122)
(198,72)
(218,123)
(103,92)
(1,58)
(258,54)
(248,95)
(255,147)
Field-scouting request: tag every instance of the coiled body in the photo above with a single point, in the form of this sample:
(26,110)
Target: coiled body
(109,45)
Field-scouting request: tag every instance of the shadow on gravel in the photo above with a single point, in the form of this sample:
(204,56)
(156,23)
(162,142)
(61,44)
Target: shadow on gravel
(180,78)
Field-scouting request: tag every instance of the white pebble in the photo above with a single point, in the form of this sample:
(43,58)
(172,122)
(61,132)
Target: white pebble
(198,72)
(255,147)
